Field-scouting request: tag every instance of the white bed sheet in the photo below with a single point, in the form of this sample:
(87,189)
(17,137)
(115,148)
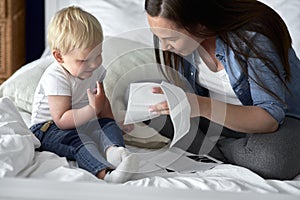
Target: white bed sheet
(223,177)
(19,160)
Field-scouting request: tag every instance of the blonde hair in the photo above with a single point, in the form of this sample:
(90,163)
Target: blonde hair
(72,28)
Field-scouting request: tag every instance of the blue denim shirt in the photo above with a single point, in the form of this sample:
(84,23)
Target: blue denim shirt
(248,92)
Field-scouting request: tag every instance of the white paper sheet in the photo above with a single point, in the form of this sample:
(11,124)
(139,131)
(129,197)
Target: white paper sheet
(180,110)
(141,97)
(178,160)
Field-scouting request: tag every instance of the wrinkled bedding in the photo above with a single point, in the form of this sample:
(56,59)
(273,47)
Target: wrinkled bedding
(18,159)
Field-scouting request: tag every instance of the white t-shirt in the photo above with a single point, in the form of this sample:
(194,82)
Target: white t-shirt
(57,81)
(217,83)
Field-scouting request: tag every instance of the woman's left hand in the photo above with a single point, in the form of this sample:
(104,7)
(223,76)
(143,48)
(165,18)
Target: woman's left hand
(160,108)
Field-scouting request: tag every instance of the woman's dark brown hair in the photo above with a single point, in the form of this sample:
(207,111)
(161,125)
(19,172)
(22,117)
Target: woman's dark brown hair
(223,18)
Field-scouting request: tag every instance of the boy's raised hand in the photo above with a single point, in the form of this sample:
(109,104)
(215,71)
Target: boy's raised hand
(97,98)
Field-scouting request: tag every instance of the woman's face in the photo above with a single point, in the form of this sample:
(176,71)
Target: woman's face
(172,38)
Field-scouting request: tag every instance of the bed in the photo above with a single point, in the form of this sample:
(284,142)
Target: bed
(28,174)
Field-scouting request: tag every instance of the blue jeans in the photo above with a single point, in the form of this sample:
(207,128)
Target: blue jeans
(86,144)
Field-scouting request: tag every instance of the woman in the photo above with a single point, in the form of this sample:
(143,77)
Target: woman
(239,60)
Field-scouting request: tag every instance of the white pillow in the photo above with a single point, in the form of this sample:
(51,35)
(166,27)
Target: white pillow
(21,85)
(289,10)
(17,143)
(125,18)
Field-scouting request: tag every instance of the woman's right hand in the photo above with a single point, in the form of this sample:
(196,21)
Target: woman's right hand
(161,108)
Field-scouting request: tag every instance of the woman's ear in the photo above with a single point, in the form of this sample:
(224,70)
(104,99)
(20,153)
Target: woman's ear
(57,55)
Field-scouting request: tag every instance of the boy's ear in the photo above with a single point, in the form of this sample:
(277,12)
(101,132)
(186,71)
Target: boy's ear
(57,55)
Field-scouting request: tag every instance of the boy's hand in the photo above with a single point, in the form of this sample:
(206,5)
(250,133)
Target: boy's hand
(97,99)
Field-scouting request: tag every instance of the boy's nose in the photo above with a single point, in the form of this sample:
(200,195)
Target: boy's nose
(93,66)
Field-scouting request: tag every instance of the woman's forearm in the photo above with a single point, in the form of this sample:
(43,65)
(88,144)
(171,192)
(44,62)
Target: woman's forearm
(247,119)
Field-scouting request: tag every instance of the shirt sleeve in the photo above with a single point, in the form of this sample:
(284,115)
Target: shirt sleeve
(56,82)
(267,89)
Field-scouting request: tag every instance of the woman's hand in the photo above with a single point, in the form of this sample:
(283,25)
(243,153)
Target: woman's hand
(97,98)
(160,108)
(163,108)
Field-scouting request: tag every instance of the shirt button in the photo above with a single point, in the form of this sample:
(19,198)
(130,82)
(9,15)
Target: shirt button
(192,73)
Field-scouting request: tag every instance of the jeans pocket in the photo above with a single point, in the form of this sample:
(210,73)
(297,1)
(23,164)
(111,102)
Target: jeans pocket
(35,129)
